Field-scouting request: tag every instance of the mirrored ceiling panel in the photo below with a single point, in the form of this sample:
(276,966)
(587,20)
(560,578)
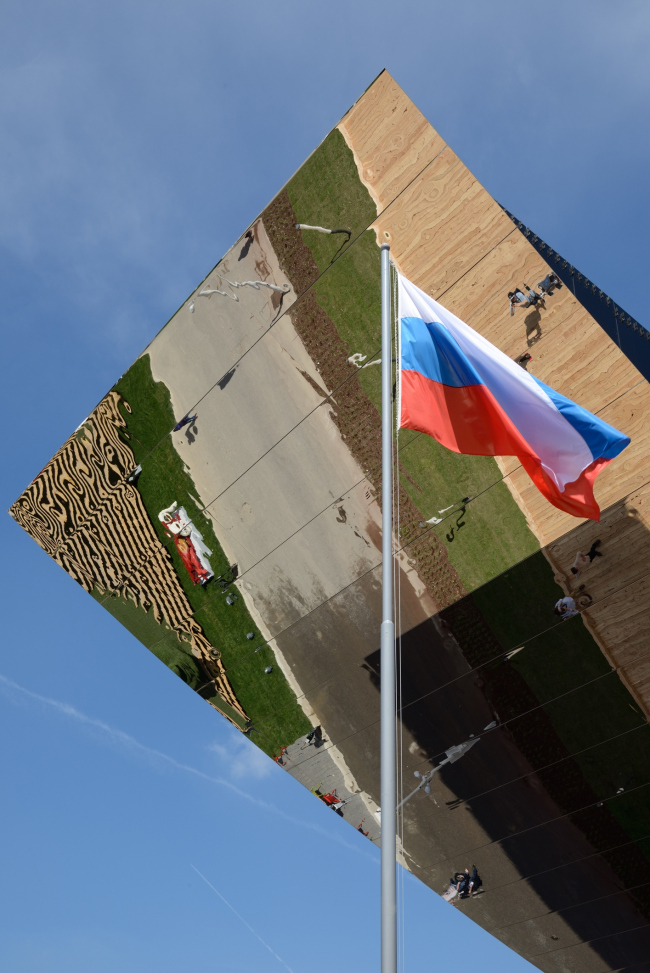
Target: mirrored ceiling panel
(222,502)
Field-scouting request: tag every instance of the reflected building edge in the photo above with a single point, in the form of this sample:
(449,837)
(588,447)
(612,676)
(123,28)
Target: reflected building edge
(222,502)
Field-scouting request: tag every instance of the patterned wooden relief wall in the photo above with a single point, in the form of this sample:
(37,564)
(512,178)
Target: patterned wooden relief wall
(82,511)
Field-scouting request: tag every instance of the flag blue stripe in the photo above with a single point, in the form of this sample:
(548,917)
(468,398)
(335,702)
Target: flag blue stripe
(433,352)
(603,440)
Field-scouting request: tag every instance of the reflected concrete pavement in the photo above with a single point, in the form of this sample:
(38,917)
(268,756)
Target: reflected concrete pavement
(296,585)
(318,770)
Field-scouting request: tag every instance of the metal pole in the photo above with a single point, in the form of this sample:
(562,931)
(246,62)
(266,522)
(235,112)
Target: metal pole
(426,779)
(451,756)
(388,782)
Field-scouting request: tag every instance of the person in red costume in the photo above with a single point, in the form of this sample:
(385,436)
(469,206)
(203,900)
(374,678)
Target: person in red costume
(188,556)
(188,541)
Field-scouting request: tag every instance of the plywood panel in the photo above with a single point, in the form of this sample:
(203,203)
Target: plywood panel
(628,472)
(621,624)
(442,224)
(452,239)
(619,585)
(570,351)
(624,531)
(637,679)
(391,140)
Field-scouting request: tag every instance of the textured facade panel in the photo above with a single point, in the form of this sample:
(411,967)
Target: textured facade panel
(631,337)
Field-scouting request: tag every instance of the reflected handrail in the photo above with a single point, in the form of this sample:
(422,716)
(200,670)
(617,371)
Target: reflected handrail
(209,291)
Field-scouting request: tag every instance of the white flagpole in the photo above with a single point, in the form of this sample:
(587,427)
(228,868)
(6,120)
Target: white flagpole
(387,666)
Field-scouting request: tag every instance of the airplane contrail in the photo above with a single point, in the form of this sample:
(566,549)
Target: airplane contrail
(119,736)
(241,918)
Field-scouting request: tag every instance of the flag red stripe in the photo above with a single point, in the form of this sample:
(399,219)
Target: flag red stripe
(466,419)
(470,420)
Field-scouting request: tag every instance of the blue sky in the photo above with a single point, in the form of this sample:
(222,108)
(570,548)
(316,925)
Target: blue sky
(137,140)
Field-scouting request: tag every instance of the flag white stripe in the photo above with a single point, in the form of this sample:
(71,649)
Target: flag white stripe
(563,452)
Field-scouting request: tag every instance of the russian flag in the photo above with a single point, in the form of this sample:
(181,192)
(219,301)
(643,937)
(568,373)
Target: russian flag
(460,389)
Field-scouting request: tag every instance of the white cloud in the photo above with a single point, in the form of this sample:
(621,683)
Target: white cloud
(17,692)
(242,759)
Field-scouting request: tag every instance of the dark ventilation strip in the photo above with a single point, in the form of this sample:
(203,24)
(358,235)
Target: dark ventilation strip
(631,337)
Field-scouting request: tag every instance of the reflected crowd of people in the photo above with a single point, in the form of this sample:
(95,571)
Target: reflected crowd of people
(529,297)
(464,885)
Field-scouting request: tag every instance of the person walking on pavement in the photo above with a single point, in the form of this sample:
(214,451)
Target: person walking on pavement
(186,420)
(583,561)
(315,736)
(463,883)
(475,882)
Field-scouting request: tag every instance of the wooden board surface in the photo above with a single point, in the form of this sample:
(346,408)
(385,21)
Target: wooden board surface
(618,585)
(454,241)
(442,224)
(392,141)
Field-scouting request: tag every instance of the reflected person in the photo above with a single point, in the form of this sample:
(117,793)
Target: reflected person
(566,608)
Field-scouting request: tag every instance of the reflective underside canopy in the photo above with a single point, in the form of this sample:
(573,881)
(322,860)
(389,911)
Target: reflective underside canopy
(242,546)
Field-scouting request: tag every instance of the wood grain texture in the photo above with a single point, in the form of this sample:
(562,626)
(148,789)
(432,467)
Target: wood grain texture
(442,224)
(629,471)
(391,140)
(454,241)
(571,352)
(83,512)
(618,584)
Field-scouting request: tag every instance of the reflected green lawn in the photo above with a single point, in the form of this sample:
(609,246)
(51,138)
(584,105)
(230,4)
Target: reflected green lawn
(564,669)
(164,479)
(491,534)
(327,191)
